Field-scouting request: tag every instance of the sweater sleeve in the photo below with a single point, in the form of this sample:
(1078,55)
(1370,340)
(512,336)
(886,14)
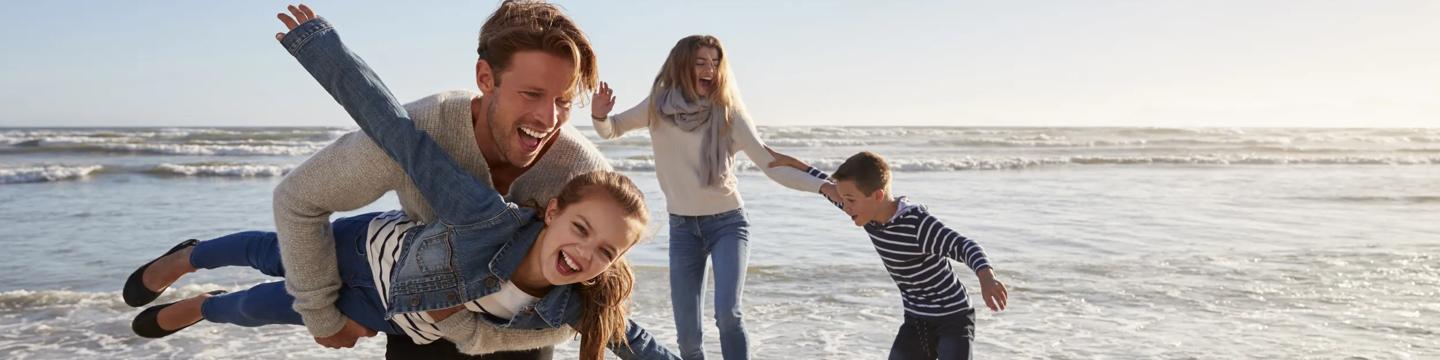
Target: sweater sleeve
(346,175)
(938,239)
(747,138)
(615,125)
(473,335)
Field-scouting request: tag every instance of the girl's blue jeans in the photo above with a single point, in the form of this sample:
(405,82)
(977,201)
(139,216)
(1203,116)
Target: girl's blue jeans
(725,239)
(268,303)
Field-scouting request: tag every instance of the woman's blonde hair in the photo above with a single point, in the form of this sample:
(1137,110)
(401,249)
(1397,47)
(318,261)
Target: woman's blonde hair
(679,71)
(605,299)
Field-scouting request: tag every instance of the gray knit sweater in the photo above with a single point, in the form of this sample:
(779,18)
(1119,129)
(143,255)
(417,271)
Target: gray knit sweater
(353,172)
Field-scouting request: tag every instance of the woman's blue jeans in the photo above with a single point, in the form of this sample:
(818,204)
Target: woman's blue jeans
(268,303)
(724,238)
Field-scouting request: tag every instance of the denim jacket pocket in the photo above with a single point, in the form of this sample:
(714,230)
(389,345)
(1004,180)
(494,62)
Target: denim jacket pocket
(436,253)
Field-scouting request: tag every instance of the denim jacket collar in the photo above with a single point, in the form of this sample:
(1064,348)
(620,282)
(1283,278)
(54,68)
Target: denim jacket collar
(554,307)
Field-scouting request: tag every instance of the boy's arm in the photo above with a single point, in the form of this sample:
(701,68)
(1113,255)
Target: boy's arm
(938,239)
(454,195)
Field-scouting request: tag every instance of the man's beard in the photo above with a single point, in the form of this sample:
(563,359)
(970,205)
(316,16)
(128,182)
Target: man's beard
(497,136)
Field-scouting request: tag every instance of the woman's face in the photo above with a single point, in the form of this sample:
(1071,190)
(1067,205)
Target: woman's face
(585,238)
(707,67)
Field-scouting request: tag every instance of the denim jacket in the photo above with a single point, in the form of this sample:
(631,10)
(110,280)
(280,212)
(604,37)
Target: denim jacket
(478,240)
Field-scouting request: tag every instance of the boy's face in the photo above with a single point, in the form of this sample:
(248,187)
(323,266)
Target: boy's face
(861,208)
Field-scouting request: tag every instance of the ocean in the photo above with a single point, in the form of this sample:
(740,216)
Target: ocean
(1116,243)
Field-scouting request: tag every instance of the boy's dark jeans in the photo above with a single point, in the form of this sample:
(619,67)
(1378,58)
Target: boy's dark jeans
(945,337)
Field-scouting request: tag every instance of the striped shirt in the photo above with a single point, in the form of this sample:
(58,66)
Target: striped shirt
(385,239)
(914,246)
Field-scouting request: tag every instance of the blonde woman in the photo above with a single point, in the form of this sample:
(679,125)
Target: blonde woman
(697,124)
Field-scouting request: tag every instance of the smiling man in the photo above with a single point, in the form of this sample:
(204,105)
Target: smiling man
(533,60)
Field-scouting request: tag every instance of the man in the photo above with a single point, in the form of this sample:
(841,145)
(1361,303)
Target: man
(533,60)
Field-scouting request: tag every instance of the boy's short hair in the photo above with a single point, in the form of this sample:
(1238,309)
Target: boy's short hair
(868,170)
(520,25)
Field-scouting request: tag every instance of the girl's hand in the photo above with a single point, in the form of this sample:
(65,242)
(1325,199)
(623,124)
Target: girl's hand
(602,102)
(992,290)
(302,14)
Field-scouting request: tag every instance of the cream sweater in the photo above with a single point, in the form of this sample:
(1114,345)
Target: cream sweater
(677,157)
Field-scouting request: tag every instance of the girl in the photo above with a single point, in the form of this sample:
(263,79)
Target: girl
(697,123)
(485,264)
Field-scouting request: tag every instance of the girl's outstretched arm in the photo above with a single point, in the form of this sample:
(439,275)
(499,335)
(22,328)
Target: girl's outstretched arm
(456,196)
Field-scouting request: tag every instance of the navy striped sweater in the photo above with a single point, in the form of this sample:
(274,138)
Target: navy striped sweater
(914,246)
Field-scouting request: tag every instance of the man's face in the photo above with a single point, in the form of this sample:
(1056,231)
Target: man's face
(861,208)
(530,104)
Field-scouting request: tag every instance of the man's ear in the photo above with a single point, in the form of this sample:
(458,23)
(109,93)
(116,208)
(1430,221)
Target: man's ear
(552,210)
(484,76)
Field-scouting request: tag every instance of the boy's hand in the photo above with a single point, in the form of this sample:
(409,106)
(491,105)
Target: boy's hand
(782,160)
(992,290)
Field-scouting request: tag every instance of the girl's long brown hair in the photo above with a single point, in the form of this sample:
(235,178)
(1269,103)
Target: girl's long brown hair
(605,299)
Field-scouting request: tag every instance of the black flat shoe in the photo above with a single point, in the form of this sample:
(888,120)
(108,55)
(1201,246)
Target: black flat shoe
(147,324)
(135,293)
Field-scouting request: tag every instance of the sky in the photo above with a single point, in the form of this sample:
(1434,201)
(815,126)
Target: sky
(1223,63)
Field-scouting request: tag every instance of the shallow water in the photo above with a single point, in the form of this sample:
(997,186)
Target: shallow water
(1178,243)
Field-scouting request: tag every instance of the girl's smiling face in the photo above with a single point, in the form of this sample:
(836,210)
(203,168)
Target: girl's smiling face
(585,238)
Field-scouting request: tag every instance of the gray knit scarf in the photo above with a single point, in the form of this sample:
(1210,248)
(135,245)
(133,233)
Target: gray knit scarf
(715,148)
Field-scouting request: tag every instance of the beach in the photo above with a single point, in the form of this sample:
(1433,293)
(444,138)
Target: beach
(1125,243)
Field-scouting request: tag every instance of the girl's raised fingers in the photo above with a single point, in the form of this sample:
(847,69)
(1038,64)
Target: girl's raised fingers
(309,13)
(289,22)
(300,17)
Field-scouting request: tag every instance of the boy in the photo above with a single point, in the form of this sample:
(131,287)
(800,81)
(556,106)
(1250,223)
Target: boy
(913,245)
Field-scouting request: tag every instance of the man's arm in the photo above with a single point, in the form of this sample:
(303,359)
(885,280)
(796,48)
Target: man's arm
(346,175)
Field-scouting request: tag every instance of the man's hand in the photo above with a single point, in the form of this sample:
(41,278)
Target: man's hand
(602,102)
(992,290)
(302,15)
(442,314)
(347,336)
(782,160)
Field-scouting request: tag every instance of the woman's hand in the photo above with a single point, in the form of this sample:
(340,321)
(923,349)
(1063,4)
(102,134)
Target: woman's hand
(302,14)
(782,160)
(602,102)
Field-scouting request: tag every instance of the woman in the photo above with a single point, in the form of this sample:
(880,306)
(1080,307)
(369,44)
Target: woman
(697,123)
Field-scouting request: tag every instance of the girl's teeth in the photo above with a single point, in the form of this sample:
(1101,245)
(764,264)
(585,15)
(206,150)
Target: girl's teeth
(569,263)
